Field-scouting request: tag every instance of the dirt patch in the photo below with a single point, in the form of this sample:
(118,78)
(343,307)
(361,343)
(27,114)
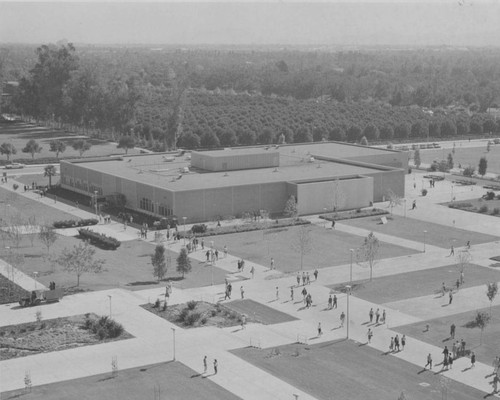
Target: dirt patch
(198,313)
(50,335)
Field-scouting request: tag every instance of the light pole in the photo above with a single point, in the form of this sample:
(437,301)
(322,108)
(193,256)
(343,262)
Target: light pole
(109,297)
(348,287)
(95,201)
(173,332)
(184,219)
(350,269)
(424,240)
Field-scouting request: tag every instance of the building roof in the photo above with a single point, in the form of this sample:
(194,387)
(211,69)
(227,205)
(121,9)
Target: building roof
(295,165)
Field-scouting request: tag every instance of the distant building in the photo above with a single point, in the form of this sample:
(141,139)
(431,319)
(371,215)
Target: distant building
(202,185)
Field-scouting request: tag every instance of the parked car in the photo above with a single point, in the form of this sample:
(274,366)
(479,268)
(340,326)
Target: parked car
(14,166)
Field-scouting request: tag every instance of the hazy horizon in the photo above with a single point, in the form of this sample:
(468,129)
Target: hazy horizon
(369,23)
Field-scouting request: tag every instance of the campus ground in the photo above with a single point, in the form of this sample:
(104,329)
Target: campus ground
(171,380)
(350,370)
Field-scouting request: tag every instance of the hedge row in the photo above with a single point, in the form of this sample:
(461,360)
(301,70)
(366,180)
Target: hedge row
(248,227)
(99,239)
(354,214)
(70,223)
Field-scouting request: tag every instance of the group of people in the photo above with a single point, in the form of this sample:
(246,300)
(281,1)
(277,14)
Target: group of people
(205,365)
(397,344)
(306,278)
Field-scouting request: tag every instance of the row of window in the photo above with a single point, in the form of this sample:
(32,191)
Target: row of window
(147,205)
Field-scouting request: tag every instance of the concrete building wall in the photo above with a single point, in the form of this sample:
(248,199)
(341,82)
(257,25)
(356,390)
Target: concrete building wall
(315,197)
(390,180)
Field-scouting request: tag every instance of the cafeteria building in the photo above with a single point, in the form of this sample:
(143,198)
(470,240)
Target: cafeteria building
(207,185)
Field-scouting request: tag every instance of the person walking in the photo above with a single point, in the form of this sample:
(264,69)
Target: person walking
(330,302)
(252,271)
(298,278)
(225,251)
(391,345)
(342,319)
(316,274)
(472,359)
(429,361)
(205,364)
(216,255)
(450,295)
(369,334)
(202,244)
(377,316)
(495,382)
(304,294)
(414,204)
(450,362)
(291,293)
(277,293)
(334,305)
(452,331)
(403,342)
(445,362)
(242,291)
(383,316)
(303,278)
(452,251)
(308,279)
(370,314)
(319,329)
(396,343)
(243,321)
(216,365)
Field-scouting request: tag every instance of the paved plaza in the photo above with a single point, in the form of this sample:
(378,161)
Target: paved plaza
(153,340)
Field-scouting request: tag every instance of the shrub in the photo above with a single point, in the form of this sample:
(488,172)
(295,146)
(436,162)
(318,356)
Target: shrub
(460,205)
(183,315)
(191,305)
(104,327)
(15,186)
(192,318)
(213,313)
(483,209)
(424,192)
(203,320)
(100,240)
(468,171)
(496,211)
(73,222)
(490,196)
(199,228)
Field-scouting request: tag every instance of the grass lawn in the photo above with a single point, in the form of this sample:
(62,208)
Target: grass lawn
(10,292)
(346,370)
(173,380)
(439,333)
(413,229)
(466,156)
(19,134)
(259,312)
(329,247)
(421,283)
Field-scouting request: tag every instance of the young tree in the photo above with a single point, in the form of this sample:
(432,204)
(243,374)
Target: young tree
(57,146)
(463,260)
(368,252)
(302,243)
(449,161)
(416,158)
(291,208)
(491,292)
(394,199)
(47,236)
(481,321)
(80,260)
(49,171)
(183,262)
(32,147)
(127,143)
(159,262)
(363,141)
(483,165)
(81,146)
(7,149)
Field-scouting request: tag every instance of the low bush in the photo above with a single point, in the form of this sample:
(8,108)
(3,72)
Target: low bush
(342,215)
(460,205)
(424,192)
(199,228)
(191,305)
(104,327)
(183,315)
(496,211)
(468,171)
(483,209)
(489,196)
(75,223)
(100,240)
(192,318)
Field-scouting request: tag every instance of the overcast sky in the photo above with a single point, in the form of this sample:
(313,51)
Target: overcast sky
(402,22)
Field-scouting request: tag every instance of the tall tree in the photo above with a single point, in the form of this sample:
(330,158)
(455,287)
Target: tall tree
(491,292)
(49,171)
(47,236)
(291,208)
(416,158)
(159,262)
(80,260)
(302,243)
(483,165)
(32,147)
(81,145)
(57,146)
(7,149)
(126,142)
(183,262)
(368,251)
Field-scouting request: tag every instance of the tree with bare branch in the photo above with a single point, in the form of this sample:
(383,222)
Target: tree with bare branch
(394,199)
(80,260)
(302,243)
(368,252)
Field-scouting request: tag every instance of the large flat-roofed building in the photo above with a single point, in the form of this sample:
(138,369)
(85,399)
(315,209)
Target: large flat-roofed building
(203,185)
